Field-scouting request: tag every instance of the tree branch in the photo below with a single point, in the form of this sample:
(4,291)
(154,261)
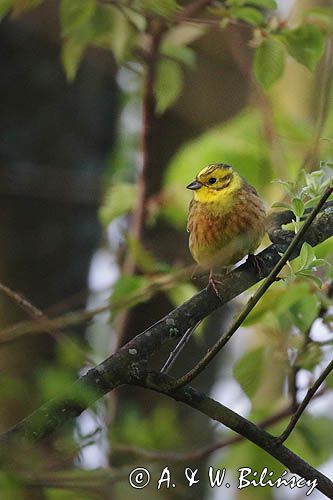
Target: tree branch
(206,451)
(220,413)
(123,366)
(203,363)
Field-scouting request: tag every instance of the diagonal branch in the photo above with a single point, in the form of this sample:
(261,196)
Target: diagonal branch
(242,426)
(123,366)
(309,395)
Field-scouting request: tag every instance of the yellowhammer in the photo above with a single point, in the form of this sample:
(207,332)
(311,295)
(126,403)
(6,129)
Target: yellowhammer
(226,218)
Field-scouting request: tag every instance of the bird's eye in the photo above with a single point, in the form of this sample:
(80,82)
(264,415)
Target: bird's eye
(212,180)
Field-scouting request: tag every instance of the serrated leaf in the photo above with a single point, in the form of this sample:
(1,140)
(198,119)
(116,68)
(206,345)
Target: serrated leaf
(120,200)
(71,56)
(75,13)
(5,6)
(266,4)
(297,207)
(269,60)
(248,370)
(305,44)
(248,14)
(307,255)
(168,84)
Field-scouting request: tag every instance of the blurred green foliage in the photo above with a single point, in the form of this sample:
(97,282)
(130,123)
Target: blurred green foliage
(156,431)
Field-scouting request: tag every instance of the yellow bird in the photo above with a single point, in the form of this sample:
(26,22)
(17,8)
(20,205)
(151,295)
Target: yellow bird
(226,219)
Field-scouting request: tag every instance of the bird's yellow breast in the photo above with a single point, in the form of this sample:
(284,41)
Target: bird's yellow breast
(225,225)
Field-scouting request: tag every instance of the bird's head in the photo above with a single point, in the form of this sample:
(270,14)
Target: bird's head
(215,181)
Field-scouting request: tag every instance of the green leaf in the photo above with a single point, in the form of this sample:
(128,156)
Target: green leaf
(305,311)
(111,30)
(306,273)
(311,357)
(75,13)
(305,44)
(298,207)
(71,56)
(181,293)
(248,15)
(321,17)
(248,370)
(316,432)
(269,62)
(319,263)
(119,200)
(5,6)
(163,8)
(127,287)
(279,204)
(168,84)
(307,255)
(181,53)
(266,4)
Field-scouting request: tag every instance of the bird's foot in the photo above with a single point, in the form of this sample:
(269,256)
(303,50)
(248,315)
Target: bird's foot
(256,262)
(213,283)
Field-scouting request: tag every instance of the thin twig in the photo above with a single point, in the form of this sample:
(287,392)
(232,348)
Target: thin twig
(157,284)
(293,389)
(39,317)
(178,349)
(309,395)
(188,377)
(220,413)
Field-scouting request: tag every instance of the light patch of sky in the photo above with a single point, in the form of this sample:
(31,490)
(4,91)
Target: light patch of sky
(284,8)
(94,455)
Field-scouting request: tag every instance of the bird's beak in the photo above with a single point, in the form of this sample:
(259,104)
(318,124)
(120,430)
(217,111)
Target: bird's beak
(194,185)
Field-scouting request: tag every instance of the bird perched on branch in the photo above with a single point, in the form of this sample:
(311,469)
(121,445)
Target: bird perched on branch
(226,219)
